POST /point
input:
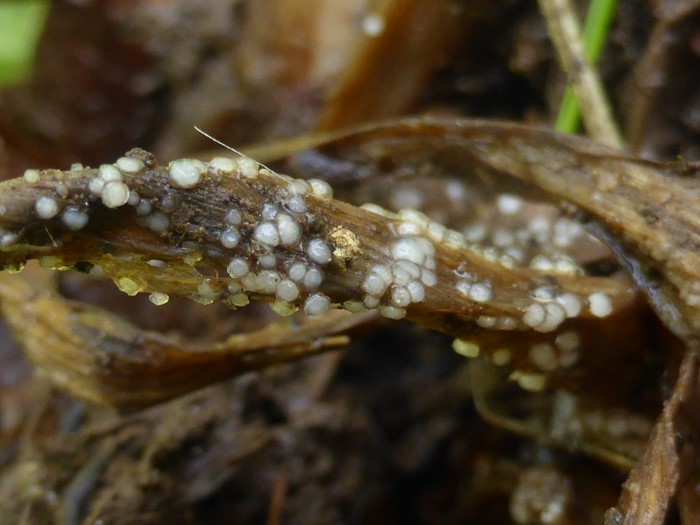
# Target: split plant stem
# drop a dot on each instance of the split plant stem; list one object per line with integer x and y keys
{"x": 565, "y": 32}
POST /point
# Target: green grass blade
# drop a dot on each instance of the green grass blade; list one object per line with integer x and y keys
{"x": 595, "y": 31}
{"x": 21, "y": 25}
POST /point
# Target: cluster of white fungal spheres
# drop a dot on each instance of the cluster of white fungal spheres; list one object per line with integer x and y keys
{"x": 287, "y": 241}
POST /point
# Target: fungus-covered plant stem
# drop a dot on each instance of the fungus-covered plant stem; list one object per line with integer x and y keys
{"x": 565, "y": 32}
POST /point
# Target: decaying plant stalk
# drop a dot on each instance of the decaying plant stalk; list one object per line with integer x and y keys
{"x": 234, "y": 231}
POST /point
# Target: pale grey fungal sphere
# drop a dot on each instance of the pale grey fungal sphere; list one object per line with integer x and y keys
{"x": 230, "y": 238}
{"x": 319, "y": 251}
{"x": 409, "y": 249}
{"x": 267, "y": 234}
{"x": 287, "y": 291}
{"x": 74, "y": 219}
{"x": 289, "y": 229}
{"x": 297, "y": 204}
{"x": 238, "y": 267}
{"x": 317, "y": 304}
{"x": 115, "y": 194}
{"x": 158, "y": 222}
{"x": 267, "y": 261}
{"x": 297, "y": 271}
{"x": 46, "y": 207}
{"x": 234, "y": 217}
{"x": 96, "y": 185}
{"x": 185, "y": 173}
{"x": 313, "y": 278}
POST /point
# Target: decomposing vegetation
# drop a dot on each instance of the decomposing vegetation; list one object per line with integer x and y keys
{"x": 566, "y": 271}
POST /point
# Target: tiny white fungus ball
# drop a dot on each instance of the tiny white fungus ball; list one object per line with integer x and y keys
{"x": 74, "y": 219}
{"x": 486, "y": 321}
{"x": 157, "y": 263}
{"x": 543, "y": 357}
{"x": 409, "y": 228}
{"x": 401, "y": 276}
{"x": 508, "y": 204}
{"x": 534, "y": 315}
{"x": 480, "y": 292}
{"x": 600, "y": 304}
{"x": 109, "y": 173}
{"x": 230, "y": 238}
{"x": 167, "y": 203}
{"x": 269, "y": 211}
{"x": 370, "y": 301}
{"x": 412, "y": 269}
{"x": 571, "y": 304}
{"x": 223, "y": 165}
{"x": 555, "y": 315}
{"x": 130, "y": 164}
{"x": 297, "y": 204}
{"x": 267, "y": 261}
{"x": 268, "y": 281}
{"x": 158, "y": 298}
{"x": 31, "y": 176}
{"x": 568, "y": 341}
{"x": 383, "y": 272}
{"x": 297, "y": 271}
{"x": 287, "y": 291}
{"x": 7, "y": 238}
{"x": 289, "y": 229}
{"x": 158, "y": 222}
{"x": 185, "y": 173}
{"x": 238, "y": 267}
{"x": 415, "y": 216}
{"x": 428, "y": 277}
{"x": 373, "y": 284}
{"x": 267, "y": 233}
{"x": 400, "y": 296}
{"x": 408, "y": 249}
{"x": 46, "y": 207}
{"x": 416, "y": 290}
{"x": 143, "y": 208}
{"x": 317, "y": 304}
{"x": 319, "y": 251}
{"x": 96, "y": 185}
{"x": 234, "y": 217}
{"x": 321, "y": 188}
{"x": 313, "y": 278}
{"x": 373, "y": 25}
{"x": 115, "y": 194}
{"x": 248, "y": 168}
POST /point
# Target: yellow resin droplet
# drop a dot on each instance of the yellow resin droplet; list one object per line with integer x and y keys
{"x": 465, "y": 348}
{"x": 128, "y": 285}
{"x": 283, "y": 309}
